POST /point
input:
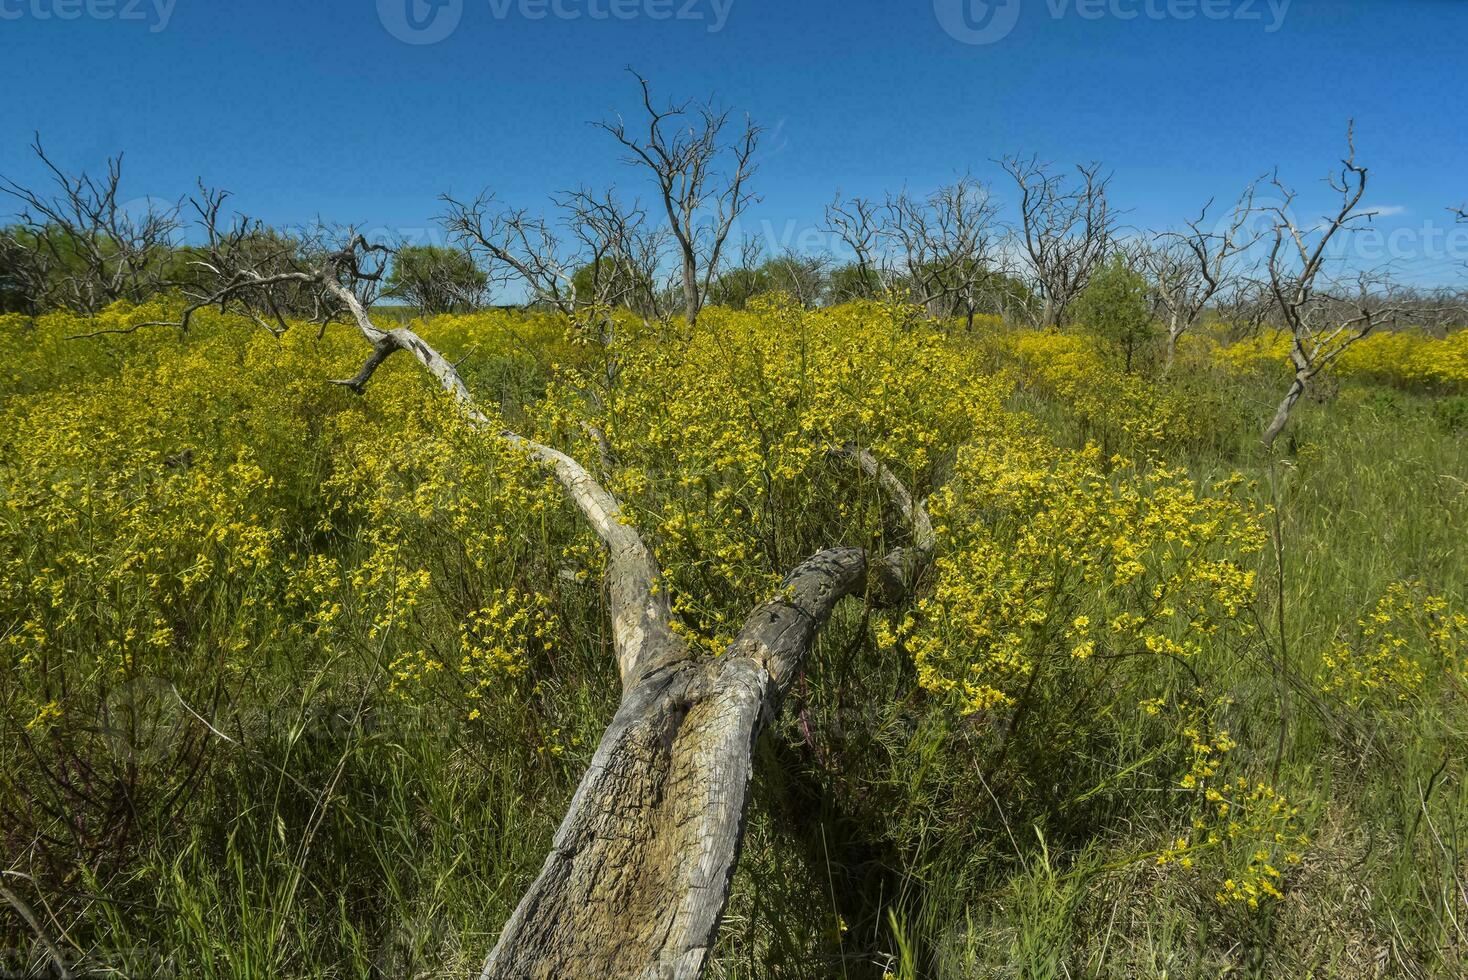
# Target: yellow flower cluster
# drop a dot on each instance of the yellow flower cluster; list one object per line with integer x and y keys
{"x": 1407, "y": 358}
{"x": 1409, "y": 645}
{"x": 723, "y": 441}
{"x": 176, "y": 505}
{"x": 1059, "y": 561}
{"x": 496, "y": 641}
{"x": 1123, "y": 412}
{"x": 1243, "y": 832}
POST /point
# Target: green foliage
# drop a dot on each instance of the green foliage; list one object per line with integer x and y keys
{"x": 852, "y": 282}
{"x": 435, "y": 280}
{"x": 734, "y": 288}
{"x": 15, "y": 273}
{"x": 1114, "y": 306}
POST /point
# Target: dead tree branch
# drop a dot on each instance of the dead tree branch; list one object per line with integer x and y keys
{"x": 1066, "y": 230}
{"x": 639, "y": 871}
{"x": 702, "y": 179}
{"x": 1325, "y": 312}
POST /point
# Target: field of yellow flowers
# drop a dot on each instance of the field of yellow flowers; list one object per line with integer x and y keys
{"x": 298, "y": 682}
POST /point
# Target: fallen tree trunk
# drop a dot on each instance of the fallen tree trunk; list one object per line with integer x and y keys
{"x": 639, "y": 871}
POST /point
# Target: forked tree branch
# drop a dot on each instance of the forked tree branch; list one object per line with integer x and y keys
{"x": 638, "y": 874}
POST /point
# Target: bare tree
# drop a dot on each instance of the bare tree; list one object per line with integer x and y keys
{"x": 81, "y": 246}
{"x": 1324, "y": 313}
{"x": 1066, "y": 230}
{"x": 1188, "y": 268}
{"x": 512, "y": 245}
{"x": 947, "y": 241}
{"x": 702, "y": 178}
{"x": 596, "y": 253}
{"x": 624, "y": 249}
{"x": 858, "y": 223}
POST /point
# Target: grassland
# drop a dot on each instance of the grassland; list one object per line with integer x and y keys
{"x": 298, "y": 683}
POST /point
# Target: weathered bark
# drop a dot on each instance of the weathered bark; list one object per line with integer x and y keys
{"x": 1175, "y": 328}
{"x": 1286, "y": 406}
{"x": 639, "y": 871}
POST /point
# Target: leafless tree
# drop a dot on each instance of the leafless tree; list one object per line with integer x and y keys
{"x": 626, "y": 252}
{"x": 1066, "y": 229}
{"x": 702, "y": 177}
{"x": 593, "y": 254}
{"x": 512, "y": 245}
{"x": 1325, "y": 313}
{"x": 948, "y": 243}
{"x": 1188, "y": 268}
{"x": 79, "y": 245}
{"x": 858, "y": 223}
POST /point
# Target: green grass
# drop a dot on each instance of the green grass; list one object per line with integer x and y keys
{"x": 328, "y": 828}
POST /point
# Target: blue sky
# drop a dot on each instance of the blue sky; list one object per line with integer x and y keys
{"x": 321, "y": 109}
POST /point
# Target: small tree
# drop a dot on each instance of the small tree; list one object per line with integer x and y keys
{"x": 1189, "y": 268}
{"x": 1066, "y": 230}
{"x": 947, "y": 243}
{"x": 80, "y": 246}
{"x": 804, "y": 278}
{"x": 594, "y": 254}
{"x": 1325, "y": 313}
{"x": 1116, "y": 307}
{"x": 858, "y": 223}
{"x": 737, "y": 285}
{"x": 853, "y": 281}
{"x": 1244, "y": 308}
{"x": 434, "y": 279}
{"x": 18, "y": 273}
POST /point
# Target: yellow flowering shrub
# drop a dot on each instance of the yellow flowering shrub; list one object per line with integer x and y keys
{"x": 1410, "y": 644}
{"x": 1407, "y": 358}
{"x": 1058, "y": 559}
{"x": 1244, "y": 833}
{"x": 724, "y": 441}
{"x": 1122, "y": 412}
{"x": 173, "y": 506}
